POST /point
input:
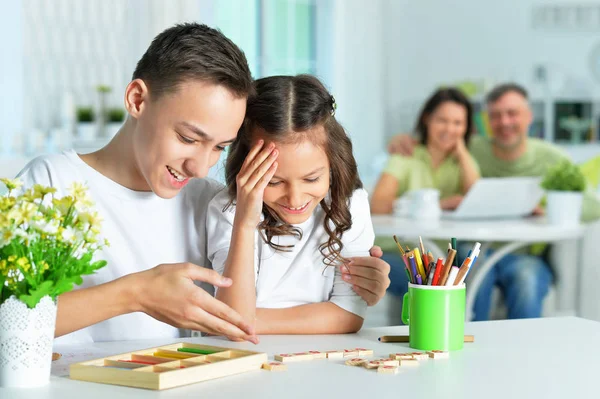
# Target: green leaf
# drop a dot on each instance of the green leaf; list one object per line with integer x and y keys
{"x": 36, "y": 294}
{"x": 564, "y": 176}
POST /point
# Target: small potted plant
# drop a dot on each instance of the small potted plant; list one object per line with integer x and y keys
{"x": 114, "y": 118}
{"x": 86, "y": 128}
{"x": 565, "y": 184}
{"x": 46, "y": 245}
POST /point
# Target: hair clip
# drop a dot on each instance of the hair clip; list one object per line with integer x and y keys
{"x": 333, "y": 106}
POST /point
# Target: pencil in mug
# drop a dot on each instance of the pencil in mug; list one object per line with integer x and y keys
{"x": 431, "y": 274}
{"x": 398, "y": 244}
{"x": 413, "y": 267}
{"x": 447, "y": 266}
{"x": 452, "y": 276}
{"x": 419, "y": 260}
{"x": 438, "y": 271}
{"x": 468, "y": 264}
{"x": 422, "y": 246}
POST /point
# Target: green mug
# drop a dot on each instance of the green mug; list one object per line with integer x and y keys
{"x": 435, "y": 316}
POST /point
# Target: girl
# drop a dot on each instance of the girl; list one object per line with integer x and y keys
{"x": 293, "y": 212}
{"x": 441, "y": 161}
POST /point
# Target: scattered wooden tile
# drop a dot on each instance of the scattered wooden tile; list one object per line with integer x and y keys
{"x": 318, "y": 354}
{"x": 334, "y": 354}
{"x": 373, "y": 364}
{"x": 438, "y": 354}
{"x": 420, "y": 355}
{"x": 275, "y": 366}
{"x": 400, "y": 356}
{"x": 350, "y": 353}
{"x": 387, "y": 369}
{"x": 293, "y": 357}
{"x": 364, "y": 352}
{"x": 357, "y": 361}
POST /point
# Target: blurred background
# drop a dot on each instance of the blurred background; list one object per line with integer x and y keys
{"x": 65, "y": 63}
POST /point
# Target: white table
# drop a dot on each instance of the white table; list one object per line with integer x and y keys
{"x": 511, "y": 233}
{"x": 548, "y": 357}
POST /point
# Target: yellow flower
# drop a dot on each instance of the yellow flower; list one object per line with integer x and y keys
{"x": 41, "y": 191}
{"x": 3, "y": 267}
{"x": 6, "y": 236}
{"x": 80, "y": 195}
{"x": 23, "y": 263}
{"x": 44, "y": 265}
{"x": 64, "y": 204}
{"x": 12, "y": 259}
{"x": 23, "y": 213}
{"x": 4, "y": 221}
{"x": 93, "y": 219}
{"x": 6, "y": 203}
{"x": 11, "y": 184}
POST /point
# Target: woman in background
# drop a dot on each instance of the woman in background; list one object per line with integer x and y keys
{"x": 440, "y": 161}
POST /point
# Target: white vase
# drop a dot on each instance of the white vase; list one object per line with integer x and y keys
{"x": 26, "y": 337}
{"x": 564, "y": 207}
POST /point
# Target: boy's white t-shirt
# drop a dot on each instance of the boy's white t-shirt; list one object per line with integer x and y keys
{"x": 298, "y": 277}
{"x": 143, "y": 230}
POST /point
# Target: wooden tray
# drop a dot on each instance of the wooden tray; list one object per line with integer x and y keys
{"x": 168, "y": 366}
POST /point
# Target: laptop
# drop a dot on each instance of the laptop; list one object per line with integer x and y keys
{"x": 505, "y": 197}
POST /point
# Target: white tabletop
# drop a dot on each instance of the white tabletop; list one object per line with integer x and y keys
{"x": 533, "y": 229}
{"x": 550, "y": 358}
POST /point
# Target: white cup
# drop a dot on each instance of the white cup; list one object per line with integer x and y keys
{"x": 425, "y": 204}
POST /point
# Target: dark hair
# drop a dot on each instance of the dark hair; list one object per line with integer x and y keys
{"x": 504, "y": 88}
{"x": 285, "y": 108}
{"x": 193, "y": 51}
{"x": 439, "y": 97}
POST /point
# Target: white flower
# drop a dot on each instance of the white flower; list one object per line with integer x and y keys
{"x": 48, "y": 227}
{"x": 6, "y": 236}
{"x": 71, "y": 235}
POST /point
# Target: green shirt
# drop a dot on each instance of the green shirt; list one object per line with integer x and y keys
{"x": 417, "y": 172}
{"x": 538, "y": 158}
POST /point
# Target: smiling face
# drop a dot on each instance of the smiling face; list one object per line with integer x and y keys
{"x": 510, "y": 117}
{"x": 181, "y": 135}
{"x": 302, "y": 177}
{"x": 446, "y": 125}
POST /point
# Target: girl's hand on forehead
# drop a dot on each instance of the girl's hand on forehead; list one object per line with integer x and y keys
{"x": 254, "y": 176}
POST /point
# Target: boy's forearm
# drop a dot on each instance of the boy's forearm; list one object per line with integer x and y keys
{"x": 87, "y": 306}
{"x": 239, "y": 266}
{"x": 315, "y": 318}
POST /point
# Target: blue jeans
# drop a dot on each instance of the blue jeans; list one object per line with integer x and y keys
{"x": 398, "y": 279}
{"x": 524, "y": 281}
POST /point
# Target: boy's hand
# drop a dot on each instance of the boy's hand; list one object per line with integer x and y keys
{"x": 167, "y": 292}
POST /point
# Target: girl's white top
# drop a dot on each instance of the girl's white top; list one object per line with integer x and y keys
{"x": 284, "y": 279}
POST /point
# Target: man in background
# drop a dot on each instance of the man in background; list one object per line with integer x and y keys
{"x": 525, "y": 277}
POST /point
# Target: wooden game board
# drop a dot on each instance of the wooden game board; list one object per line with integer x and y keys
{"x": 168, "y": 366}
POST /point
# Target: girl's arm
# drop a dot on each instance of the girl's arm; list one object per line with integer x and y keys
{"x": 384, "y": 194}
{"x": 256, "y": 172}
{"x": 469, "y": 171}
{"x": 344, "y": 311}
{"x": 314, "y": 318}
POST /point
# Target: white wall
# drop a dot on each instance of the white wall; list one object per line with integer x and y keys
{"x": 353, "y": 72}
{"x": 11, "y": 73}
{"x": 428, "y": 42}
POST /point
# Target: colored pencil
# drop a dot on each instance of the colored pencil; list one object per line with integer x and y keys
{"x": 404, "y": 338}
{"x": 447, "y": 267}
